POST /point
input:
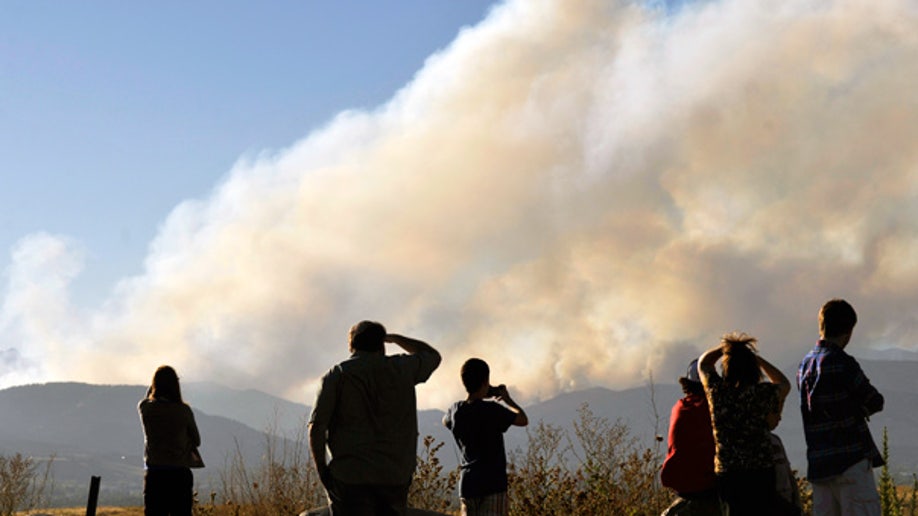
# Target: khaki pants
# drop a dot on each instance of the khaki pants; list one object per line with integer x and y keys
{"x": 853, "y": 493}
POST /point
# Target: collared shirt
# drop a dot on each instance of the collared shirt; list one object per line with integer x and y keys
{"x": 835, "y": 400}
{"x": 367, "y": 408}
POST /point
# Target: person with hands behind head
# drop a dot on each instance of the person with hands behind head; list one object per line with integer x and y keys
{"x": 478, "y": 424}
{"x": 744, "y": 410}
{"x": 366, "y": 415}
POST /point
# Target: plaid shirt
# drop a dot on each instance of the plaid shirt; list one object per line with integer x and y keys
{"x": 836, "y": 399}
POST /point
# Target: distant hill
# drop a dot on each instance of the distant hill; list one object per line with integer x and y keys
{"x": 95, "y": 429}
{"x": 253, "y": 408}
{"x": 896, "y": 380}
{"x": 886, "y": 355}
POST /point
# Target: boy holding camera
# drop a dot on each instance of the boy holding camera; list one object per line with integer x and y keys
{"x": 478, "y": 424}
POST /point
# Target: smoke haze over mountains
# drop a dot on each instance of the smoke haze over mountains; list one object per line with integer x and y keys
{"x": 582, "y": 193}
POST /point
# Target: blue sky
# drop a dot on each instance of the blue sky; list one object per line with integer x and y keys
{"x": 111, "y": 113}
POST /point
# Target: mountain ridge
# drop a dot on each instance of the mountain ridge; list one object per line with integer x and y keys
{"x": 95, "y": 429}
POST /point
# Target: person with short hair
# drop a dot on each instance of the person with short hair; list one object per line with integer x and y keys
{"x": 170, "y": 441}
{"x": 744, "y": 410}
{"x": 366, "y": 414}
{"x": 836, "y": 400}
{"x": 478, "y": 424}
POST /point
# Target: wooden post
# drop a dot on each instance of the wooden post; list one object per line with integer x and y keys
{"x": 93, "y": 496}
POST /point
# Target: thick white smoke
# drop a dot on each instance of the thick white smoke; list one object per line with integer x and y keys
{"x": 580, "y": 192}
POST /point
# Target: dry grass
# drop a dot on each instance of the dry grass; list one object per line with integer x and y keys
{"x": 81, "y": 511}
{"x": 600, "y": 469}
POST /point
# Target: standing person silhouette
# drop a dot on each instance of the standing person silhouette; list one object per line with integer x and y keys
{"x": 170, "y": 441}
{"x": 478, "y": 425}
{"x": 836, "y": 399}
{"x": 689, "y": 466}
{"x": 744, "y": 410}
{"x": 366, "y": 413}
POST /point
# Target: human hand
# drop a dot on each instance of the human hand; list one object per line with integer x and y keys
{"x": 502, "y": 394}
{"x": 494, "y": 392}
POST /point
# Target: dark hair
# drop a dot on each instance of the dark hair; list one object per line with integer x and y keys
{"x": 836, "y": 318}
{"x": 740, "y": 364}
{"x": 474, "y": 373}
{"x": 691, "y": 387}
{"x": 165, "y": 385}
{"x": 367, "y": 336}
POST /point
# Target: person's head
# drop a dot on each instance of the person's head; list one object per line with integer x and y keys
{"x": 165, "y": 384}
{"x": 367, "y": 336}
{"x": 740, "y": 364}
{"x": 475, "y": 373}
{"x": 836, "y": 319}
{"x": 691, "y": 382}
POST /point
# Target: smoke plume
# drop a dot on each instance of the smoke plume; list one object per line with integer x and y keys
{"x": 581, "y": 193}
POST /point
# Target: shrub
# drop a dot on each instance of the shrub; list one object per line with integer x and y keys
{"x": 603, "y": 470}
{"x": 430, "y": 488}
{"x": 284, "y": 483}
{"x": 23, "y": 484}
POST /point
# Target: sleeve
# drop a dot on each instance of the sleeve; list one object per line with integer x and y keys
{"x": 325, "y": 402}
{"x": 416, "y": 366}
{"x": 193, "y": 433}
{"x": 502, "y": 417}
{"x": 669, "y": 472}
{"x": 448, "y": 418}
{"x": 428, "y": 361}
{"x": 863, "y": 394}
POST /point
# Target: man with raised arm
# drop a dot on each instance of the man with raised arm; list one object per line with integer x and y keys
{"x": 836, "y": 398}
{"x": 366, "y": 415}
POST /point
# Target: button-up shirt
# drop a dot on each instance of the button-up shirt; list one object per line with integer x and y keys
{"x": 835, "y": 399}
{"x": 367, "y": 408}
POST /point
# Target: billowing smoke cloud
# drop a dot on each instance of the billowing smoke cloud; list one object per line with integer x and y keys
{"x": 582, "y": 193}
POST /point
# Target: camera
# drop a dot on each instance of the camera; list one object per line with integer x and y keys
{"x": 493, "y": 392}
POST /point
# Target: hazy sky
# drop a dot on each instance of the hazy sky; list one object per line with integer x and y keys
{"x": 581, "y": 192}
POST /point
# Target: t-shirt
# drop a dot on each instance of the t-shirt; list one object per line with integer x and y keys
{"x": 479, "y": 427}
{"x": 741, "y": 434}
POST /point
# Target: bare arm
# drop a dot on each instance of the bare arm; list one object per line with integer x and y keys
{"x": 707, "y": 361}
{"x": 428, "y": 357}
{"x": 410, "y": 345}
{"x": 776, "y": 377}
{"x": 521, "y": 418}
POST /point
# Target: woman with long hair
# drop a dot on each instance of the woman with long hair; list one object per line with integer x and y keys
{"x": 170, "y": 442}
{"x": 744, "y": 410}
